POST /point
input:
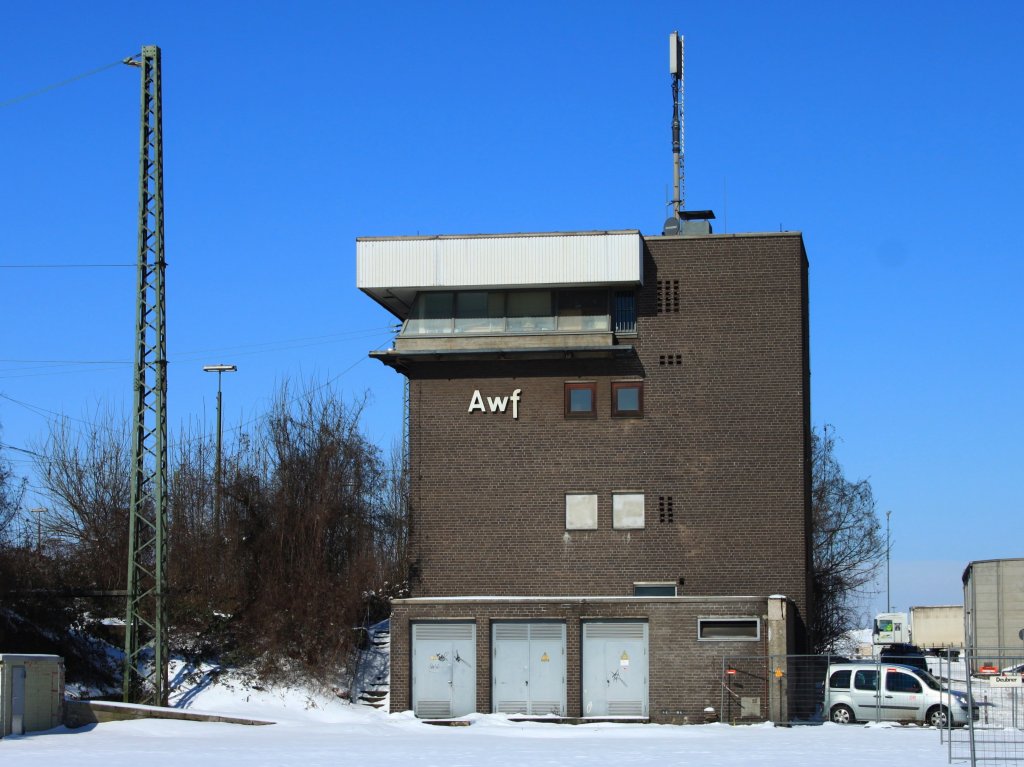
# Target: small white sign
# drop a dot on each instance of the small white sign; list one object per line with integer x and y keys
{"x": 1006, "y": 680}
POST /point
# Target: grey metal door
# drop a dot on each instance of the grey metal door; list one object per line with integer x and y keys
{"x": 528, "y": 667}
{"x": 17, "y": 700}
{"x": 443, "y": 669}
{"x": 615, "y": 669}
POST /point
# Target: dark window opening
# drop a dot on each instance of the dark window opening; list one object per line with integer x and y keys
{"x": 432, "y": 313}
{"x": 899, "y": 682}
{"x": 529, "y": 311}
{"x": 479, "y": 312}
{"x": 580, "y": 400}
{"x": 866, "y": 680}
{"x": 582, "y": 310}
{"x": 728, "y": 628}
{"x": 654, "y": 589}
{"x": 625, "y": 312}
{"x": 840, "y": 680}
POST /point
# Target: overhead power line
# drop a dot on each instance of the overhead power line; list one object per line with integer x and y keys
{"x": 258, "y": 347}
{"x": 34, "y": 454}
{"x": 61, "y": 84}
{"x": 65, "y": 266}
{"x": 52, "y": 416}
{"x": 65, "y": 362}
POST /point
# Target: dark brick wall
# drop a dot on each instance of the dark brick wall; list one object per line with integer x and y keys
{"x": 724, "y": 434}
{"x": 684, "y": 674}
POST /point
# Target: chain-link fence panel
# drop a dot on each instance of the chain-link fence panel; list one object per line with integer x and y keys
{"x": 993, "y": 681}
{"x": 813, "y": 689}
{"x": 786, "y": 689}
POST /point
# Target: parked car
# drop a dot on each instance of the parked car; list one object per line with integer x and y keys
{"x": 906, "y": 654}
{"x": 891, "y": 692}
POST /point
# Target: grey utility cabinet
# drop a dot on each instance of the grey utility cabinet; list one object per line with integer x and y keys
{"x": 31, "y": 693}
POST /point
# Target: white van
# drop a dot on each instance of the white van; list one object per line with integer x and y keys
{"x": 853, "y": 693}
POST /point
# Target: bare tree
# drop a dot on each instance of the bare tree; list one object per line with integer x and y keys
{"x": 307, "y": 528}
{"x": 197, "y": 566}
{"x": 12, "y": 490}
{"x": 847, "y": 546}
{"x": 309, "y": 544}
{"x": 87, "y": 477}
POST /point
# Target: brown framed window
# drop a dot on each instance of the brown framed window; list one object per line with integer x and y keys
{"x": 628, "y": 399}
{"x": 581, "y": 400}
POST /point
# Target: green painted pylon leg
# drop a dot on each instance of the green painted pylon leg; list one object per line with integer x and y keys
{"x": 146, "y": 646}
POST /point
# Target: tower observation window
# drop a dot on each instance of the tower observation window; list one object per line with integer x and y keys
{"x": 569, "y": 310}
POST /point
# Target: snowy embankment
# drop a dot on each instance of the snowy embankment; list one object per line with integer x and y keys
{"x": 321, "y": 729}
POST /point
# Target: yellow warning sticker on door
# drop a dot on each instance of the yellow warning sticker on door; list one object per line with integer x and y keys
{"x": 545, "y": 658}
{"x": 624, "y": 659}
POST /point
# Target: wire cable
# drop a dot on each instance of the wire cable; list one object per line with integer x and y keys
{"x": 61, "y": 84}
{"x": 64, "y": 266}
{"x": 51, "y": 416}
{"x": 257, "y": 348}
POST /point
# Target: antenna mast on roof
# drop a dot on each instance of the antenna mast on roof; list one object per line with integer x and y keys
{"x": 675, "y": 67}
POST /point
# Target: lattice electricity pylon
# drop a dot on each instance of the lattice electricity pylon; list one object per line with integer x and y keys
{"x": 145, "y": 640}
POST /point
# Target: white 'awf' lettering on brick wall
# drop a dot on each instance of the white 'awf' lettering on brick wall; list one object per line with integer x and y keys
{"x": 496, "y": 404}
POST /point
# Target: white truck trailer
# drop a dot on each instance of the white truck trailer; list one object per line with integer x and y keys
{"x": 937, "y": 629}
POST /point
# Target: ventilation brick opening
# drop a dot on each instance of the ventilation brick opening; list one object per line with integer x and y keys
{"x": 668, "y": 296}
{"x": 666, "y": 510}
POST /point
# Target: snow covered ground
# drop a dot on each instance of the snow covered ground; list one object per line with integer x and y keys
{"x": 321, "y": 729}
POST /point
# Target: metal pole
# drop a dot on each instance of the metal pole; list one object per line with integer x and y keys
{"x": 39, "y": 511}
{"x": 217, "y": 471}
{"x": 888, "y": 595}
{"x": 217, "y": 480}
{"x": 676, "y": 69}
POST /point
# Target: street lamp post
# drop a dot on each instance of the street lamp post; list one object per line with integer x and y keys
{"x": 39, "y": 511}
{"x": 219, "y": 370}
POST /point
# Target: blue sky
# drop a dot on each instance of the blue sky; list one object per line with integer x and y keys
{"x": 887, "y": 133}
